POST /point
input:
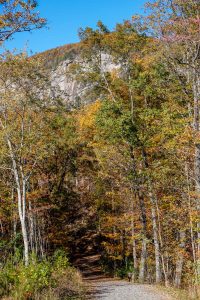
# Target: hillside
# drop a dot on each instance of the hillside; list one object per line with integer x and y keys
{"x": 55, "y": 56}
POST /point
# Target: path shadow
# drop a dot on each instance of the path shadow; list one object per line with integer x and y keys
{"x": 92, "y": 273}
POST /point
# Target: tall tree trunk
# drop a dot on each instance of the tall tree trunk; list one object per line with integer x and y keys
{"x": 155, "y": 235}
{"x": 31, "y": 227}
{"x": 123, "y": 245}
{"x": 138, "y": 191}
{"x": 144, "y": 239}
{"x": 143, "y": 261}
{"x": 25, "y": 240}
{"x": 191, "y": 222}
{"x": 164, "y": 268}
{"x": 114, "y": 232}
{"x": 196, "y": 93}
{"x": 21, "y": 200}
{"x": 134, "y": 251}
{"x": 180, "y": 259}
{"x": 22, "y": 217}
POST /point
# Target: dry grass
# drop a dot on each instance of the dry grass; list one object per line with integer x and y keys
{"x": 192, "y": 293}
{"x": 69, "y": 285}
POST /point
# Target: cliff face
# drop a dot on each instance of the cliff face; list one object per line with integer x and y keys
{"x": 60, "y": 61}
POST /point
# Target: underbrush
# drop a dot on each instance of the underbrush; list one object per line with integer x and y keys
{"x": 116, "y": 268}
{"x": 50, "y": 279}
{"x": 190, "y": 293}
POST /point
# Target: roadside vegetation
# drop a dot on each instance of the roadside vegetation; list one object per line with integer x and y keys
{"x": 52, "y": 278}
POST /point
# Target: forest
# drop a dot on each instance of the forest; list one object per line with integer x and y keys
{"x": 118, "y": 175}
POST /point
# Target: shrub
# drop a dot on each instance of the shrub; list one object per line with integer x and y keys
{"x": 31, "y": 279}
{"x": 68, "y": 284}
{"x": 123, "y": 271}
{"x": 48, "y": 279}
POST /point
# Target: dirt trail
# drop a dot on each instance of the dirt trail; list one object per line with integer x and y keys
{"x": 102, "y": 287}
{"x": 90, "y": 267}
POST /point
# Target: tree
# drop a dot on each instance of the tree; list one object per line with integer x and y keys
{"x": 176, "y": 25}
{"x": 18, "y": 16}
{"x": 22, "y": 127}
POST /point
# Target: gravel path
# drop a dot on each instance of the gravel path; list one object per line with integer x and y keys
{"x": 101, "y": 287}
{"x": 121, "y": 290}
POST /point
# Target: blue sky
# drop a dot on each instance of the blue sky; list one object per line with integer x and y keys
{"x": 65, "y": 17}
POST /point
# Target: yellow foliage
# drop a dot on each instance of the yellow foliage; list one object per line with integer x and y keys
{"x": 87, "y": 118}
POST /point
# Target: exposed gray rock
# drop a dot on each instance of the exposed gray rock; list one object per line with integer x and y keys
{"x": 76, "y": 93}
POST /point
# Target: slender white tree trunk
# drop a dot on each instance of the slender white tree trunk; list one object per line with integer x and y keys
{"x": 134, "y": 251}
{"x": 196, "y": 93}
{"x": 156, "y": 245}
{"x": 143, "y": 261}
{"x": 25, "y": 240}
{"x": 180, "y": 259}
{"x": 155, "y": 236}
{"x": 162, "y": 256}
{"x": 191, "y": 223}
{"x": 21, "y": 199}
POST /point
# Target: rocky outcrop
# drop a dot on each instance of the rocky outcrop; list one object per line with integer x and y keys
{"x": 65, "y": 83}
